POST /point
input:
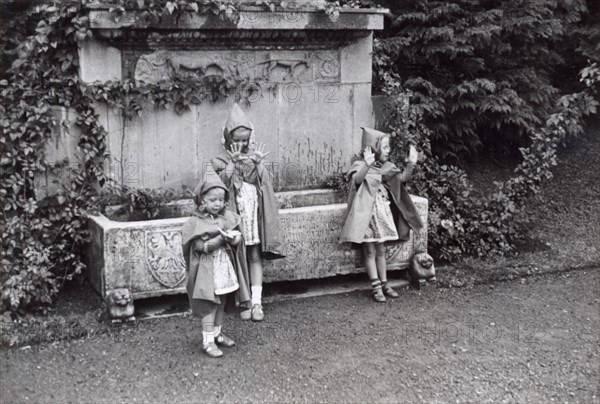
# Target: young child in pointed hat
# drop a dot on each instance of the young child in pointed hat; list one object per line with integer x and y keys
{"x": 250, "y": 184}
{"x": 379, "y": 207}
{"x": 215, "y": 262}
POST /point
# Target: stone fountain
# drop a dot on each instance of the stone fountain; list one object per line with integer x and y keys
{"x": 311, "y": 92}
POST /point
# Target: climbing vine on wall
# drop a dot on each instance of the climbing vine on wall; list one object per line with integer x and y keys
{"x": 43, "y": 238}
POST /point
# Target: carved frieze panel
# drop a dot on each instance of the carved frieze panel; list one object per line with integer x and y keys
{"x": 275, "y": 66}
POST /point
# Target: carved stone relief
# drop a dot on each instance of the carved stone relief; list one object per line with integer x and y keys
{"x": 164, "y": 257}
{"x": 256, "y": 66}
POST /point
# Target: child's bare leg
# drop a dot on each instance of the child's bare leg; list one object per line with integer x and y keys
{"x": 382, "y": 270}
{"x": 381, "y": 263}
{"x": 256, "y": 280}
{"x": 221, "y": 338}
{"x": 370, "y": 265}
{"x": 256, "y": 267}
{"x": 220, "y": 313}
{"x": 369, "y": 252}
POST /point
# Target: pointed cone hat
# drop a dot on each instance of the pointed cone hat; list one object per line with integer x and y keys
{"x": 237, "y": 118}
{"x": 371, "y": 138}
{"x": 204, "y": 187}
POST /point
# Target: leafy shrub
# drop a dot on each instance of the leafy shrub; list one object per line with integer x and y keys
{"x": 460, "y": 222}
{"x": 486, "y": 73}
{"x": 139, "y": 203}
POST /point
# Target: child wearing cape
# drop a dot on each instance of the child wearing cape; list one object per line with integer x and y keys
{"x": 249, "y": 182}
{"x": 379, "y": 207}
{"x": 215, "y": 261}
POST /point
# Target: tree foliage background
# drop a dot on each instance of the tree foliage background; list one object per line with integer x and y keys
{"x": 487, "y": 72}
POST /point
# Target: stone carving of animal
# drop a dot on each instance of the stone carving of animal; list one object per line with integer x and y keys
{"x": 163, "y": 65}
{"x": 120, "y": 305}
{"x": 422, "y": 268}
{"x": 288, "y": 64}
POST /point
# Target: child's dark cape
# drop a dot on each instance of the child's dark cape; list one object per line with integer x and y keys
{"x": 362, "y": 198}
{"x": 268, "y": 213}
{"x": 200, "y": 281}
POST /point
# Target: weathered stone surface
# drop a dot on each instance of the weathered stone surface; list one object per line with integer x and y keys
{"x": 311, "y": 132}
{"x": 311, "y": 245}
{"x": 315, "y": 123}
{"x": 278, "y": 66}
{"x": 310, "y": 82}
{"x": 145, "y": 257}
{"x": 98, "y": 62}
{"x": 302, "y": 17}
{"x": 313, "y": 197}
{"x": 358, "y": 50}
{"x": 312, "y": 249}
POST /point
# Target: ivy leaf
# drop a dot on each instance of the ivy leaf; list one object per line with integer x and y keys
{"x": 170, "y": 7}
{"x": 194, "y": 6}
{"x": 141, "y": 3}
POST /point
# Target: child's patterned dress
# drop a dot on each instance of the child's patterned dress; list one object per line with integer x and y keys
{"x": 381, "y": 227}
{"x": 247, "y": 204}
{"x": 224, "y": 275}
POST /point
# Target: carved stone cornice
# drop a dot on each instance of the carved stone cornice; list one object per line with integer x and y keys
{"x": 300, "y": 44}
{"x": 303, "y": 18}
{"x": 129, "y": 39}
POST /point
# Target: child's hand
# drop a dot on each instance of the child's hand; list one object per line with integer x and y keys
{"x": 259, "y": 153}
{"x": 369, "y": 156}
{"x": 413, "y": 155}
{"x": 236, "y": 153}
{"x": 229, "y": 235}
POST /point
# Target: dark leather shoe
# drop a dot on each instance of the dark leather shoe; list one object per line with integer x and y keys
{"x": 378, "y": 296}
{"x": 389, "y": 291}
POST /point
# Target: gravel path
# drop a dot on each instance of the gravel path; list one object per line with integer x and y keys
{"x": 534, "y": 341}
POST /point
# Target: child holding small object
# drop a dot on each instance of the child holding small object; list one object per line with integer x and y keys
{"x": 379, "y": 207}
{"x": 215, "y": 262}
{"x": 250, "y": 185}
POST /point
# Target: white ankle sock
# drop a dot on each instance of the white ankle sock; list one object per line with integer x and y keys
{"x": 217, "y": 331}
{"x": 256, "y": 295}
{"x": 208, "y": 337}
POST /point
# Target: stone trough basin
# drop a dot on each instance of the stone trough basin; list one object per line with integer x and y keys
{"x": 145, "y": 256}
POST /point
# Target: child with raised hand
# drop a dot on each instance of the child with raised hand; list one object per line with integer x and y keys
{"x": 249, "y": 182}
{"x": 215, "y": 262}
{"x": 379, "y": 207}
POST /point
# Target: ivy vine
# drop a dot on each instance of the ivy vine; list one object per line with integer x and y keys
{"x": 44, "y": 239}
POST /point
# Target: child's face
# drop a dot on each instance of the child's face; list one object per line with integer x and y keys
{"x": 241, "y": 137}
{"x": 214, "y": 200}
{"x": 384, "y": 149}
